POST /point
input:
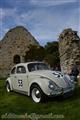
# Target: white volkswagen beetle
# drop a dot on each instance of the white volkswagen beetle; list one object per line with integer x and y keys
{"x": 35, "y": 79}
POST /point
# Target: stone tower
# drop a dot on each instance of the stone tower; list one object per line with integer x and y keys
{"x": 13, "y": 48}
{"x": 69, "y": 49}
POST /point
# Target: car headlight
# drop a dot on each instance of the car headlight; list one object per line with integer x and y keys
{"x": 52, "y": 85}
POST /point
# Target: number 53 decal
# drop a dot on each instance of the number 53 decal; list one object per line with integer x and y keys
{"x": 20, "y": 83}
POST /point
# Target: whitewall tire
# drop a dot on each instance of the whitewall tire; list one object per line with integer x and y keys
{"x": 37, "y": 94}
{"x": 8, "y": 87}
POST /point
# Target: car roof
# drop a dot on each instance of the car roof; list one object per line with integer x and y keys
{"x": 19, "y": 64}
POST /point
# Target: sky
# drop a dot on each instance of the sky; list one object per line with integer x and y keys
{"x": 45, "y": 19}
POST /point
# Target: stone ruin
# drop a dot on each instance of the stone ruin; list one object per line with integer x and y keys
{"x": 69, "y": 49}
{"x": 16, "y": 42}
{"x": 13, "y": 48}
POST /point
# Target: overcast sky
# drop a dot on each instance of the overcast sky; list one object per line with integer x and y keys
{"x": 45, "y": 19}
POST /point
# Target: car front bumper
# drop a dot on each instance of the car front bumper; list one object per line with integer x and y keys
{"x": 63, "y": 92}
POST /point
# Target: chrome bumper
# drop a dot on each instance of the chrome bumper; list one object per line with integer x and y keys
{"x": 63, "y": 91}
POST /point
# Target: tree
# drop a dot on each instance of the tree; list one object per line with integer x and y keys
{"x": 35, "y": 53}
{"x": 49, "y": 53}
{"x": 52, "y": 54}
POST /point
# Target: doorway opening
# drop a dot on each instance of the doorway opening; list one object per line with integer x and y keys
{"x": 16, "y": 59}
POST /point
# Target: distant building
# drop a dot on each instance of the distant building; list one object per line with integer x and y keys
{"x": 13, "y": 48}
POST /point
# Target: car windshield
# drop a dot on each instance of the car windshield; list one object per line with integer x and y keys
{"x": 37, "y": 66}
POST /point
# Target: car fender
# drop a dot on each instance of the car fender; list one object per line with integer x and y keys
{"x": 9, "y": 81}
{"x": 42, "y": 83}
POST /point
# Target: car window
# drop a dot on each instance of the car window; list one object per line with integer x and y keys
{"x": 21, "y": 69}
{"x": 37, "y": 66}
{"x": 31, "y": 67}
{"x": 13, "y": 70}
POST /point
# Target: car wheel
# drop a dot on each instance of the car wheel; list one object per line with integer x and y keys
{"x": 8, "y": 87}
{"x": 37, "y": 94}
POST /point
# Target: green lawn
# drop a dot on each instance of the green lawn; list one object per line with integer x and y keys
{"x": 18, "y": 104}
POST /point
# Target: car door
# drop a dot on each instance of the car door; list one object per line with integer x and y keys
{"x": 22, "y": 79}
{"x": 13, "y": 78}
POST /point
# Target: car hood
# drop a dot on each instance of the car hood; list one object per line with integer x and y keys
{"x": 61, "y": 80}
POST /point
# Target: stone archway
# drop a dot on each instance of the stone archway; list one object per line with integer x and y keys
{"x": 16, "y": 59}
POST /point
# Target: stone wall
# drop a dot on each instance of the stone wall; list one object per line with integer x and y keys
{"x": 69, "y": 49}
{"x": 13, "y": 48}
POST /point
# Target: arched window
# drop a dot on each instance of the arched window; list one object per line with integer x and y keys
{"x": 16, "y": 59}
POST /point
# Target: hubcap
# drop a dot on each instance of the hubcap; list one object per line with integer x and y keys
{"x": 36, "y": 96}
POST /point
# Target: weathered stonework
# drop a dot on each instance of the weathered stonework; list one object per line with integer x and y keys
{"x": 69, "y": 49}
{"x": 13, "y": 48}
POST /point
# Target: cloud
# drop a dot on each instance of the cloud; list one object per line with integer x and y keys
{"x": 79, "y": 20}
{"x": 46, "y": 3}
{"x": 39, "y": 3}
{"x": 2, "y": 15}
{"x": 5, "y": 16}
{"x": 45, "y": 24}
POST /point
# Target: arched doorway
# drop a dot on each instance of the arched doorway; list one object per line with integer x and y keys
{"x": 16, "y": 59}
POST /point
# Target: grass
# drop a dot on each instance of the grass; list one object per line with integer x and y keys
{"x": 19, "y": 104}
